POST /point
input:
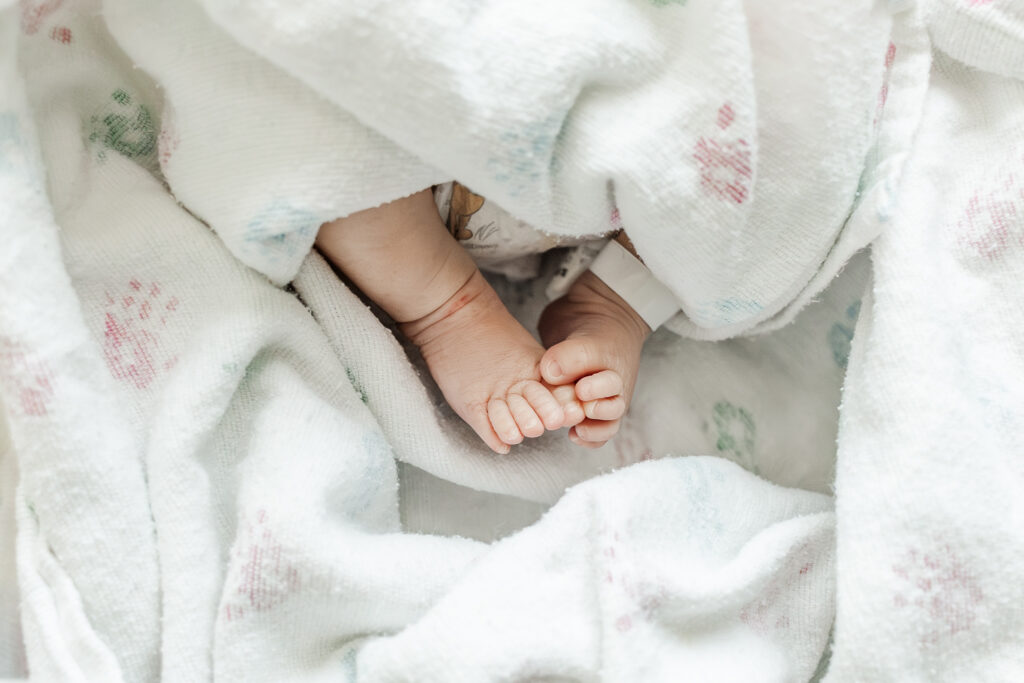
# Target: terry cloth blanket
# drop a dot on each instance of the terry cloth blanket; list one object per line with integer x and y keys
{"x": 207, "y": 475}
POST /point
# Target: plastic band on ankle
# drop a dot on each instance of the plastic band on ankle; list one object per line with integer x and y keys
{"x": 638, "y": 287}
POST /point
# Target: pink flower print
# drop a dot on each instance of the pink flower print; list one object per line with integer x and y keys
{"x": 133, "y": 325}
{"x": 725, "y": 171}
{"x": 726, "y": 116}
{"x": 27, "y": 378}
{"x": 940, "y": 588}
{"x": 34, "y": 13}
{"x": 168, "y": 140}
{"x": 265, "y": 577}
{"x": 770, "y": 611}
{"x": 634, "y": 600}
{"x": 61, "y": 34}
{"x": 993, "y": 221}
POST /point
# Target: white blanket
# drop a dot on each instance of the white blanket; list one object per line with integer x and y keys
{"x": 218, "y": 478}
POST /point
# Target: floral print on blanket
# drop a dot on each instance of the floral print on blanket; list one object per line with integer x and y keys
{"x": 127, "y": 128}
{"x": 770, "y": 611}
{"x": 633, "y": 597}
{"x": 133, "y": 343}
{"x": 265, "y": 576}
{"x": 168, "y": 140}
{"x": 941, "y": 588}
{"x": 61, "y": 34}
{"x": 992, "y": 221}
{"x": 736, "y": 431}
{"x": 525, "y": 154}
{"x": 724, "y": 160}
{"x": 279, "y": 230}
{"x": 35, "y": 13}
{"x": 26, "y": 380}
{"x": 840, "y": 335}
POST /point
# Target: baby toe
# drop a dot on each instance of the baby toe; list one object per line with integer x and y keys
{"x": 604, "y": 384}
{"x": 547, "y": 407}
{"x": 569, "y": 360}
{"x": 525, "y": 416}
{"x": 605, "y": 408}
{"x": 596, "y": 430}
{"x": 502, "y": 421}
{"x": 478, "y": 419}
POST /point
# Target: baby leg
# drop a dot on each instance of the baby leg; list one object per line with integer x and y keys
{"x": 485, "y": 363}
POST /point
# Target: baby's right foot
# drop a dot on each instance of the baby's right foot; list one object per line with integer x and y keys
{"x": 594, "y": 339}
{"x": 487, "y": 366}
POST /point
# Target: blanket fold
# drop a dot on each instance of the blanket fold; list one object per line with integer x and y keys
{"x": 675, "y": 119}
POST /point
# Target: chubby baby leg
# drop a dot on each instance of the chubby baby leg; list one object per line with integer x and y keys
{"x": 594, "y": 340}
{"x": 485, "y": 363}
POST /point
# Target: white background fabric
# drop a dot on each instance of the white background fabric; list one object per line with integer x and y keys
{"x": 220, "y": 478}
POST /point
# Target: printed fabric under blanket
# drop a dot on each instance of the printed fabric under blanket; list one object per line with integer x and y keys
{"x": 218, "y": 463}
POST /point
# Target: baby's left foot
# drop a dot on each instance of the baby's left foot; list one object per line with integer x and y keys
{"x": 594, "y": 339}
{"x": 486, "y": 365}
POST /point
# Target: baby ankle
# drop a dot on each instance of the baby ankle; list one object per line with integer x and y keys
{"x": 422, "y": 330}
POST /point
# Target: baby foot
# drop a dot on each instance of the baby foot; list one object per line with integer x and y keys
{"x": 594, "y": 339}
{"x": 487, "y": 366}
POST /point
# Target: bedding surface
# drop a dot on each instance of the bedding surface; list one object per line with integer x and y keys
{"x": 218, "y": 463}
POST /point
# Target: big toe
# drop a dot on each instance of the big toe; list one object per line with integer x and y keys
{"x": 571, "y": 359}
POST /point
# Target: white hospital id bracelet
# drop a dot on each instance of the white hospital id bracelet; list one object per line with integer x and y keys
{"x": 638, "y": 287}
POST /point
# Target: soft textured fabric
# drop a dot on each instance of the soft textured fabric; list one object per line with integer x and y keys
{"x": 701, "y": 124}
{"x": 932, "y": 428}
{"x": 217, "y": 478}
{"x": 205, "y": 466}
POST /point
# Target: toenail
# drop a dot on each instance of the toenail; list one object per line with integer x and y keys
{"x": 554, "y": 369}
